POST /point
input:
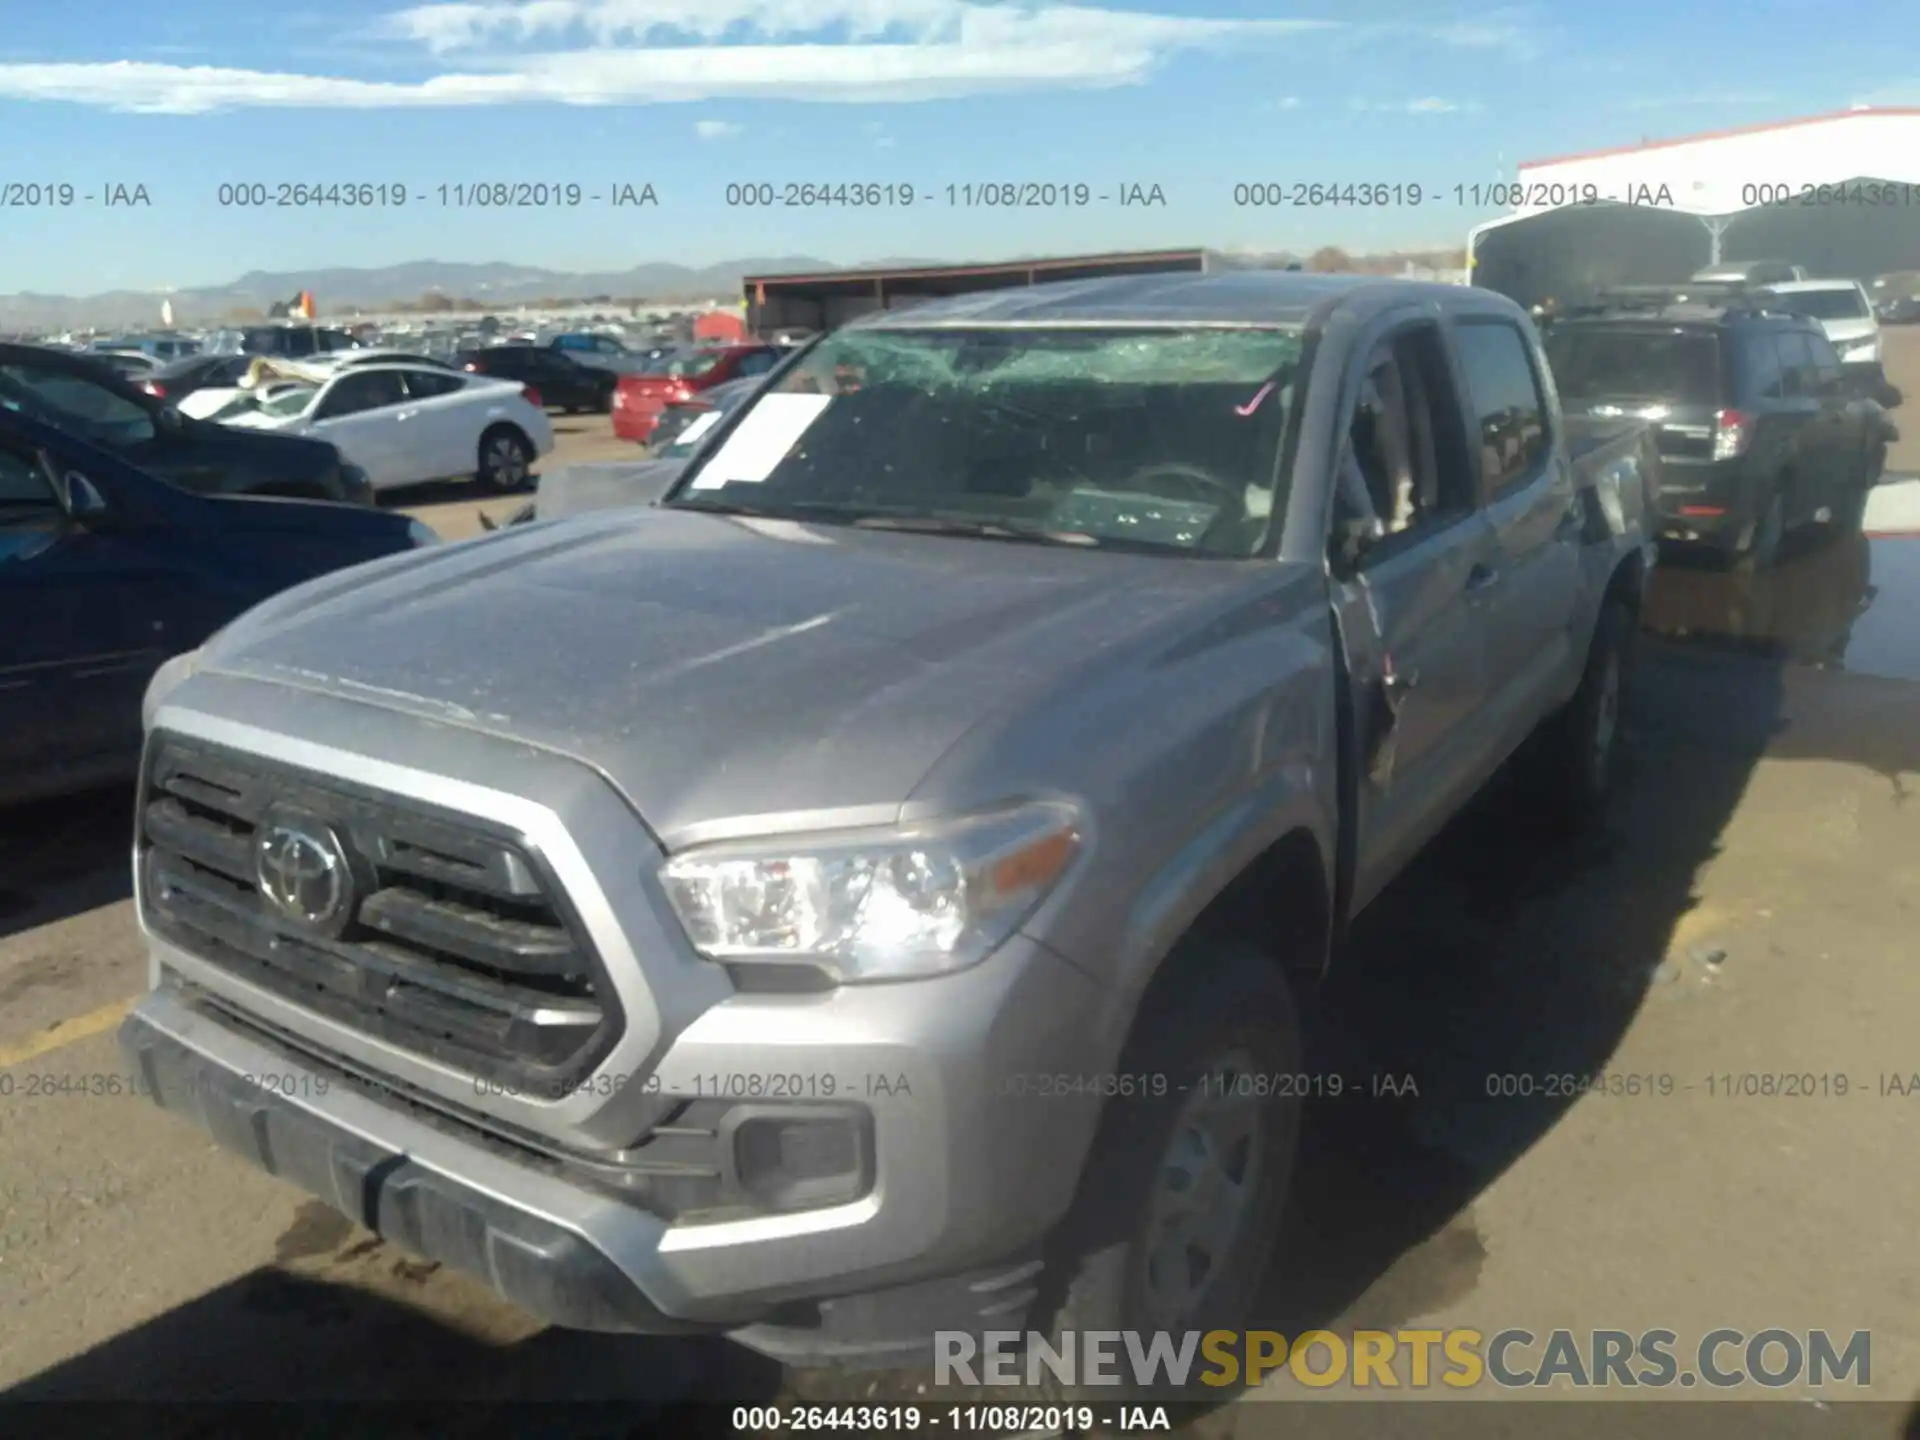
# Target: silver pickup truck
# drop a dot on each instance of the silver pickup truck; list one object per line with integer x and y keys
{"x": 872, "y": 892}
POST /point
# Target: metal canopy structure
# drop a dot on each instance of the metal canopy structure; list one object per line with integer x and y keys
{"x": 828, "y": 301}
{"x": 1838, "y": 194}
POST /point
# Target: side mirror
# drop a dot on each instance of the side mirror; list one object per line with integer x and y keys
{"x": 1353, "y": 537}
{"x": 169, "y": 421}
{"x": 86, "y": 506}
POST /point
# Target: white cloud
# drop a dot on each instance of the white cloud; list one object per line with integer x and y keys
{"x": 1724, "y": 97}
{"x": 610, "y": 52}
{"x": 1425, "y": 105}
{"x": 716, "y": 129}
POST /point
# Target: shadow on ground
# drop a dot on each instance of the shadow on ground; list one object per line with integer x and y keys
{"x": 1504, "y": 951}
{"x": 63, "y": 857}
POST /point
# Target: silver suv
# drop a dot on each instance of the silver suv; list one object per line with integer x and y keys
{"x": 870, "y": 892}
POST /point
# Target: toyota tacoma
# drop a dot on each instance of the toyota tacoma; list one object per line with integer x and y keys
{"x": 860, "y": 895}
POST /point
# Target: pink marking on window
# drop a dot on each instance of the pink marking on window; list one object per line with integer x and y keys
{"x": 1254, "y": 404}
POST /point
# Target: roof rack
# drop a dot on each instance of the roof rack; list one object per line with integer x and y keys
{"x": 1721, "y": 296}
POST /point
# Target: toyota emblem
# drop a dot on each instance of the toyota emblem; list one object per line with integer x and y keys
{"x": 302, "y": 869}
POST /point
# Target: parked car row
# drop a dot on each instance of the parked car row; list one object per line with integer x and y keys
{"x": 678, "y": 375}
{"x": 684, "y": 426}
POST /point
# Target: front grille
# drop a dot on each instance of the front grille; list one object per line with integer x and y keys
{"x": 452, "y": 940}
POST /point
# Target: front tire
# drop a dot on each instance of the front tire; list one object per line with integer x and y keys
{"x": 506, "y": 459}
{"x": 1182, "y": 1195}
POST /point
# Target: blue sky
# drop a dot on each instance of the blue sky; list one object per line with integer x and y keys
{"x": 689, "y": 95}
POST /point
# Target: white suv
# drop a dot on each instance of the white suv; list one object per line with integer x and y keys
{"x": 1844, "y": 312}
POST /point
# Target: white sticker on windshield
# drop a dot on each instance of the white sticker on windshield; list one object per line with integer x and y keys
{"x": 761, "y": 440}
{"x": 698, "y": 428}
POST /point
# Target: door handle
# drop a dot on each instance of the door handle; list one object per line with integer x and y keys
{"x": 1482, "y": 578}
{"x": 406, "y": 414}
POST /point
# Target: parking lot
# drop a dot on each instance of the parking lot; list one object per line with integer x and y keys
{"x": 1747, "y": 912}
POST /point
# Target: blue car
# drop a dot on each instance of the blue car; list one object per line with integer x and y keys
{"x": 106, "y": 571}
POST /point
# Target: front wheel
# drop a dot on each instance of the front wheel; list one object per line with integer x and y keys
{"x": 506, "y": 459}
{"x": 1181, "y": 1199}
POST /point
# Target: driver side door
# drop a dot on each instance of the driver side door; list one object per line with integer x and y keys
{"x": 359, "y": 415}
{"x": 1410, "y": 607}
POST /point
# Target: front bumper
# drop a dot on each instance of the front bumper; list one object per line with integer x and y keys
{"x": 948, "y": 1237}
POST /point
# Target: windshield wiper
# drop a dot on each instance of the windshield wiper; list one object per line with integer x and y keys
{"x": 791, "y": 510}
{"x": 981, "y": 529}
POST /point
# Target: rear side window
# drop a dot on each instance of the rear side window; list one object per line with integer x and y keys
{"x": 354, "y": 394}
{"x": 1675, "y": 366}
{"x": 1796, "y": 366}
{"x": 75, "y": 403}
{"x": 1826, "y": 362}
{"x": 425, "y": 384}
{"x": 1511, "y": 411}
{"x": 23, "y": 489}
{"x": 1760, "y": 358}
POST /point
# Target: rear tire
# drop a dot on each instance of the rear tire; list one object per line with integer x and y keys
{"x": 506, "y": 459}
{"x": 1764, "y": 549}
{"x": 1851, "y": 511}
{"x": 1182, "y": 1195}
{"x": 1579, "y": 747}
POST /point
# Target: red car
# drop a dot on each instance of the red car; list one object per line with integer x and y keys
{"x": 679, "y": 375}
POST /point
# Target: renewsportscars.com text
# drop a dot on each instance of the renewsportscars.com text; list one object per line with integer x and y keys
{"x": 1459, "y": 1359}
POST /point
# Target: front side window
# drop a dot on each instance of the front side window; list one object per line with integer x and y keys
{"x": 1157, "y": 438}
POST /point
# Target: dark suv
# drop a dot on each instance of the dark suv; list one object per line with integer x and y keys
{"x": 1759, "y": 427}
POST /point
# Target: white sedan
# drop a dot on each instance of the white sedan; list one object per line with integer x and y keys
{"x": 406, "y": 424}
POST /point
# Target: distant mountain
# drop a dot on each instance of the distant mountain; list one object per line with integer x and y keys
{"x": 341, "y": 291}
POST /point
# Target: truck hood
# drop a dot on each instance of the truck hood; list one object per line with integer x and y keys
{"x": 726, "y": 674}
{"x": 575, "y": 489}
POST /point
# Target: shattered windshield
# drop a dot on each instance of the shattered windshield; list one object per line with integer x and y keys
{"x": 1163, "y": 438}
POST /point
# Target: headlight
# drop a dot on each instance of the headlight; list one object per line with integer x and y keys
{"x": 420, "y": 533}
{"x": 1861, "y": 350}
{"x": 868, "y": 905}
{"x": 164, "y": 682}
